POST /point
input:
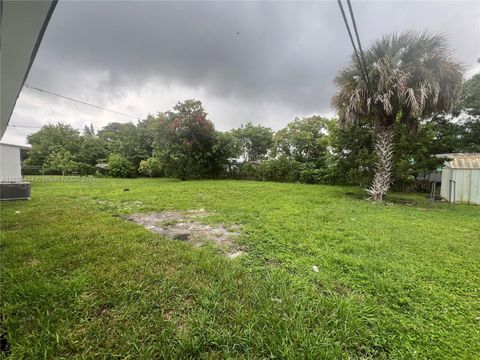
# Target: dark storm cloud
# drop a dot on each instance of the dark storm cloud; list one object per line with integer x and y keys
{"x": 250, "y": 54}
{"x": 277, "y": 51}
{"x": 281, "y": 51}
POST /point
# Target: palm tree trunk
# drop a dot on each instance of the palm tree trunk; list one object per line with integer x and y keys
{"x": 384, "y": 165}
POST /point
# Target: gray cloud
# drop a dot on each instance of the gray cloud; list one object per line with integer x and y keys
{"x": 260, "y": 61}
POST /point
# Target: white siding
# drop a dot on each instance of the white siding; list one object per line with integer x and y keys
{"x": 467, "y": 185}
{"x": 10, "y": 169}
{"x": 475, "y": 187}
{"x": 459, "y": 177}
{"x": 446, "y": 177}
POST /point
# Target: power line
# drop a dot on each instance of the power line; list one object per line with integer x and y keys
{"x": 81, "y": 102}
{"x": 359, "y": 42}
{"x": 25, "y": 126}
{"x": 353, "y": 44}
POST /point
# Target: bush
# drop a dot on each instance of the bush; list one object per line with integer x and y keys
{"x": 85, "y": 169}
{"x": 28, "y": 169}
{"x": 119, "y": 166}
{"x": 281, "y": 169}
{"x": 150, "y": 167}
{"x": 246, "y": 171}
{"x": 310, "y": 174}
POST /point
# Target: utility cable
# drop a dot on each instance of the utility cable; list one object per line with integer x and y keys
{"x": 359, "y": 43}
{"x": 353, "y": 43}
{"x": 81, "y": 102}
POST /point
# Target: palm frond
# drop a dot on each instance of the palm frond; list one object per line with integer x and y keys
{"x": 410, "y": 73}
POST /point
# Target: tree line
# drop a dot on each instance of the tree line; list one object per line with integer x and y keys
{"x": 183, "y": 143}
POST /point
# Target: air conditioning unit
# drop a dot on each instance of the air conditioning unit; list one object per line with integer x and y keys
{"x": 14, "y": 191}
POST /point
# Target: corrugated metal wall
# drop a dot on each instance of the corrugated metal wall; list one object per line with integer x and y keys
{"x": 475, "y": 187}
{"x": 446, "y": 176}
{"x": 467, "y": 185}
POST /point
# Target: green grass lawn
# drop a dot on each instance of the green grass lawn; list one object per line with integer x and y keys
{"x": 396, "y": 281}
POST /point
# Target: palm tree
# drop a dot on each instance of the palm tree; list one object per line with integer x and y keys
{"x": 407, "y": 77}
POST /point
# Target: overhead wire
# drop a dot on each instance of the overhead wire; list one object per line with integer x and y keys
{"x": 25, "y": 126}
{"x": 81, "y": 102}
{"x": 359, "y": 61}
{"x": 359, "y": 43}
{"x": 71, "y": 99}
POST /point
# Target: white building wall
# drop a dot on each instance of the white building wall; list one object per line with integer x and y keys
{"x": 467, "y": 185}
{"x": 446, "y": 177}
{"x": 461, "y": 180}
{"x": 10, "y": 167}
{"x": 475, "y": 187}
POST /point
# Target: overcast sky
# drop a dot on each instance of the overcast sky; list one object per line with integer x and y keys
{"x": 264, "y": 62}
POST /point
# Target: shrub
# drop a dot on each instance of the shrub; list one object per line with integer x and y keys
{"x": 60, "y": 162}
{"x": 28, "y": 169}
{"x": 246, "y": 171}
{"x": 119, "y": 166}
{"x": 281, "y": 169}
{"x": 85, "y": 169}
{"x": 150, "y": 167}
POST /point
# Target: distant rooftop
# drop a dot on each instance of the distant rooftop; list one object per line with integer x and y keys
{"x": 462, "y": 160}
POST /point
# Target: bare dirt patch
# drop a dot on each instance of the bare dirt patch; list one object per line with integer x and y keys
{"x": 185, "y": 226}
{"x": 32, "y": 262}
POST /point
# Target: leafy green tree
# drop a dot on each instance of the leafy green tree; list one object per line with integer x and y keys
{"x": 471, "y": 135}
{"x": 455, "y": 134}
{"x": 60, "y": 161}
{"x": 123, "y": 139}
{"x": 282, "y": 169}
{"x": 148, "y": 130}
{"x": 469, "y": 103}
{"x": 304, "y": 140}
{"x": 120, "y": 166}
{"x": 93, "y": 150}
{"x": 414, "y": 154}
{"x": 50, "y": 139}
{"x": 254, "y": 141}
{"x": 225, "y": 149}
{"x": 469, "y": 99}
{"x": 352, "y": 159}
{"x": 88, "y": 130}
{"x": 185, "y": 146}
{"x": 448, "y": 133}
{"x": 408, "y": 76}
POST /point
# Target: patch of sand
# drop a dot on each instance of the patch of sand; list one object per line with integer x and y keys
{"x": 184, "y": 226}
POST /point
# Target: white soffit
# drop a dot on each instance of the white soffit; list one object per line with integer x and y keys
{"x": 22, "y": 26}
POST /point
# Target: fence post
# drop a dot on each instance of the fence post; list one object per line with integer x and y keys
{"x": 451, "y": 184}
{"x": 432, "y": 192}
